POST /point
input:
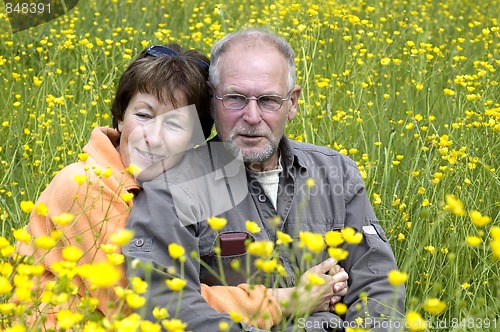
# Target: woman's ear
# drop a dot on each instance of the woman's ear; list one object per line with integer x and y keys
{"x": 120, "y": 126}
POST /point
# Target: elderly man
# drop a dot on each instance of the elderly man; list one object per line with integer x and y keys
{"x": 285, "y": 187}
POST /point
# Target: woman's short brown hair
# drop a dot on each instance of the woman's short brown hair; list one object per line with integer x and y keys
{"x": 159, "y": 74}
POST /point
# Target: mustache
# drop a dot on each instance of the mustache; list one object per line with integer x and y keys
{"x": 248, "y": 132}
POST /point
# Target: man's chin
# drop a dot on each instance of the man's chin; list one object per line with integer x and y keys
{"x": 257, "y": 155}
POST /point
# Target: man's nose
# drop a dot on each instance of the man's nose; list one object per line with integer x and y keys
{"x": 252, "y": 112}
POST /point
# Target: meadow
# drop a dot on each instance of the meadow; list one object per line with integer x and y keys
{"x": 409, "y": 89}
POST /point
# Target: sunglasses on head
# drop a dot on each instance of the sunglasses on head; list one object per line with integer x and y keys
{"x": 158, "y": 51}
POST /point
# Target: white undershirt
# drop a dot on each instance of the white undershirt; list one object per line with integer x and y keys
{"x": 269, "y": 180}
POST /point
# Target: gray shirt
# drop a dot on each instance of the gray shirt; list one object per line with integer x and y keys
{"x": 209, "y": 181}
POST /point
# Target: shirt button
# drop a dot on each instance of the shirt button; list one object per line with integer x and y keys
{"x": 262, "y": 198}
{"x": 139, "y": 242}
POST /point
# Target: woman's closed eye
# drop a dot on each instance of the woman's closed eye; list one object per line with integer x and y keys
{"x": 143, "y": 115}
{"x": 174, "y": 125}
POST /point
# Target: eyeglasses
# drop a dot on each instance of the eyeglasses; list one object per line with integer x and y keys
{"x": 158, "y": 51}
{"x": 267, "y": 103}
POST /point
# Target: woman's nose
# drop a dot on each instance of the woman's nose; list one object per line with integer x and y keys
{"x": 153, "y": 133}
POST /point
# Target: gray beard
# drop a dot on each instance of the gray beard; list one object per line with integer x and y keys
{"x": 266, "y": 153}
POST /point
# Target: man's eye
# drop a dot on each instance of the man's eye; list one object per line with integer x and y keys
{"x": 235, "y": 97}
{"x": 269, "y": 99}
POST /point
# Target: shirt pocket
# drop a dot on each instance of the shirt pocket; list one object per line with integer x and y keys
{"x": 233, "y": 254}
{"x": 380, "y": 259}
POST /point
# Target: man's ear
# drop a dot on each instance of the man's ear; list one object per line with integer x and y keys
{"x": 294, "y": 98}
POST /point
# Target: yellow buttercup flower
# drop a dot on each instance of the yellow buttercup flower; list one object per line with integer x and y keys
{"x": 83, "y": 156}
{"x": 127, "y": 197}
{"x": 133, "y": 169}
{"x": 135, "y": 301}
{"x": 478, "y": 219}
{"x": 217, "y": 223}
{"x": 283, "y": 238}
{"x": 454, "y": 205}
{"x": 263, "y": 249}
{"x": 7, "y": 308}
{"x": 351, "y": 236}
{"x": 42, "y": 210}
{"x": 176, "y": 284}
{"x": 340, "y": 308}
{"x": 495, "y": 232}
{"x": 7, "y": 251}
{"x": 138, "y": 285}
{"x": 338, "y": 254}
{"x": 252, "y": 227}
{"x": 174, "y": 325}
{"x": 312, "y": 241}
{"x": 5, "y": 285}
{"x": 160, "y": 313}
{"x": 235, "y": 317}
{"x": 63, "y": 219}
{"x": 397, "y": 278}
{"x": 473, "y": 241}
{"x": 27, "y": 206}
{"x": 107, "y": 173}
{"x": 334, "y": 238}
{"x": 80, "y": 179}
{"x": 495, "y": 248}
{"x": 56, "y": 234}
{"x": 3, "y": 243}
{"x": 266, "y": 266}
{"x": 72, "y": 254}
{"x": 108, "y": 248}
{"x": 122, "y": 237}
{"x": 66, "y": 318}
{"x": 6, "y": 269}
{"x": 45, "y": 242}
{"x": 100, "y": 275}
{"x": 115, "y": 258}
{"x": 149, "y": 326}
{"x": 129, "y": 323}
{"x": 415, "y": 322}
{"x": 449, "y": 92}
{"x": 314, "y": 279}
{"x": 175, "y": 251}
{"x": 22, "y": 235}
{"x": 310, "y": 182}
{"x": 434, "y": 306}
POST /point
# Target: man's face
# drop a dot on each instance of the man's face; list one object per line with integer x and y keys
{"x": 254, "y": 70}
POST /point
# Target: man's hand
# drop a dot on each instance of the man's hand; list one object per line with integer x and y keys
{"x": 314, "y": 297}
{"x": 340, "y": 286}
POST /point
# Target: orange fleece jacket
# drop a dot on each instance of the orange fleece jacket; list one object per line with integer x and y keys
{"x": 100, "y": 211}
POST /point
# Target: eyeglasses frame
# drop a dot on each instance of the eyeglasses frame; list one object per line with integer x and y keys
{"x": 221, "y": 98}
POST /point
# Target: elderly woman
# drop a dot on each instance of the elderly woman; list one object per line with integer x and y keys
{"x": 160, "y": 110}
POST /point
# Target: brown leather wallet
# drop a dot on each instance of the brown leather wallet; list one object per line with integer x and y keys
{"x": 232, "y": 244}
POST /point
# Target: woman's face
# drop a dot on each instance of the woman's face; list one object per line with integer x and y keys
{"x": 154, "y": 135}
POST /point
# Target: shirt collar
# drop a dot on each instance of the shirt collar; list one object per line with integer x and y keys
{"x": 290, "y": 156}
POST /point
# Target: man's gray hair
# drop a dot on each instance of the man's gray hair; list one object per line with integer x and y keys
{"x": 254, "y": 34}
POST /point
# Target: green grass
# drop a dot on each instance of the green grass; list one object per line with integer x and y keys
{"x": 370, "y": 72}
